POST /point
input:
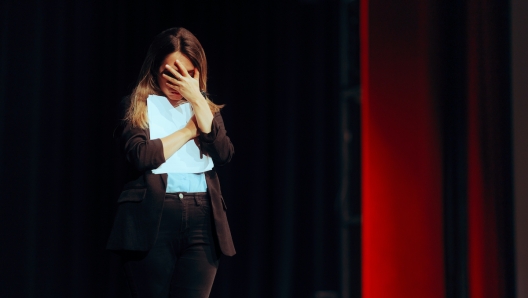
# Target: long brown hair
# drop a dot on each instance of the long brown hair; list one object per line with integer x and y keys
{"x": 172, "y": 40}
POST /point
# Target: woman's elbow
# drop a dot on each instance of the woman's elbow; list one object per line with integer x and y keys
{"x": 224, "y": 158}
{"x": 144, "y": 163}
{"x": 145, "y": 156}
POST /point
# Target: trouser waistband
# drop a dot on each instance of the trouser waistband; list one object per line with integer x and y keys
{"x": 186, "y": 195}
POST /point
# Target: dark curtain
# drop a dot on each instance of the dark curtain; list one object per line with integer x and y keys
{"x": 65, "y": 65}
{"x": 478, "y": 202}
{"x": 490, "y": 192}
{"x": 477, "y": 148}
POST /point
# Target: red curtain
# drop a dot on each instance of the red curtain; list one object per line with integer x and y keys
{"x": 406, "y": 68}
{"x": 402, "y": 249}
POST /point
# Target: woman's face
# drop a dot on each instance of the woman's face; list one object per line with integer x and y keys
{"x": 170, "y": 93}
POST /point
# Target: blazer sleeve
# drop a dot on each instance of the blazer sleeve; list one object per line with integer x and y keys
{"x": 144, "y": 154}
{"x": 216, "y": 143}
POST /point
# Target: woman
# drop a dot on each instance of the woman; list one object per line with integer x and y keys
{"x": 171, "y": 228}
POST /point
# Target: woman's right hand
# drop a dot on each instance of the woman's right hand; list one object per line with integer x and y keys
{"x": 192, "y": 127}
{"x": 177, "y": 139}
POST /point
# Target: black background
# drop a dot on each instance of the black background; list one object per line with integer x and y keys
{"x": 64, "y": 66}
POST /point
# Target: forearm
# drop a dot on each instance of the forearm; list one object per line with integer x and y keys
{"x": 175, "y": 141}
{"x": 204, "y": 116}
{"x": 216, "y": 143}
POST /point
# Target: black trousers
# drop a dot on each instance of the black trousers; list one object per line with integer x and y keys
{"x": 184, "y": 259}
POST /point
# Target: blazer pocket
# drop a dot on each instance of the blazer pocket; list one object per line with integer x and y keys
{"x": 223, "y": 203}
{"x": 132, "y": 195}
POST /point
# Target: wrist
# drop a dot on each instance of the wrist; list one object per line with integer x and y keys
{"x": 187, "y": 133}
{"x": 199, "y": 106}
{"x": 197, "y": 98}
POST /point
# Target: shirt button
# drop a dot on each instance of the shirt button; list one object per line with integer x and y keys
{"x": 181, "y": 196}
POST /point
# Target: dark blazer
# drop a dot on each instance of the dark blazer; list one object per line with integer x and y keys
{"x": 141, "y": 201}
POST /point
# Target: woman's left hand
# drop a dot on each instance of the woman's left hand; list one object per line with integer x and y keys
{"x": 187, "y": 86}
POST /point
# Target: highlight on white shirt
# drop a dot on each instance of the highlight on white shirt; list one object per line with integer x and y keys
{"x": 164, "y": 119}
{"x": 186, "y": 167}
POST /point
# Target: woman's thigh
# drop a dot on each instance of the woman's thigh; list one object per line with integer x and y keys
{"x": 149, "y": 273}
{"x": 197, "y": 262}
{"x": 194, "y": 273}
{"x": 184, "y": 258}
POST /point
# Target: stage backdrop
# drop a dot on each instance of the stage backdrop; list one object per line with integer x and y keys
{"x": 436, "y": 147}
{"x": 64, "y": 67}
{"x": 519, "y": 26}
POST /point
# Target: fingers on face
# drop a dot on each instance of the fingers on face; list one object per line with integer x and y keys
{"x": 176, "y": 77}
{"x": 182, "y": 69}
{"x": 172, "y": 73}
{"x": 171, "y": 81}
{"x": 171, "y": 78}
{"x": 172, "y": 86}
